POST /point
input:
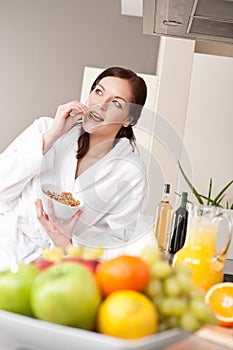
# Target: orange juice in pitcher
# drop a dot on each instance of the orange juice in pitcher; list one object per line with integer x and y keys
{"x": 199, "y": 250}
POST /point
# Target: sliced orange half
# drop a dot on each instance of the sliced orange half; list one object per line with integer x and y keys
{"x": 220, "y": 300}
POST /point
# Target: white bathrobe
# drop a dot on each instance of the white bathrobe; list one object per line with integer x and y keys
{"x": 114, "y": 191}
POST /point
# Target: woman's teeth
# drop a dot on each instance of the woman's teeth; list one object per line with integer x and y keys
{"x": 96, "y": 117}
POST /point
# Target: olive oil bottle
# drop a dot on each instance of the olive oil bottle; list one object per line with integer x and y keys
{"x": 162, "y": 219}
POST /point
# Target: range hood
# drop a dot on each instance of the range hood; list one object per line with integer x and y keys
{"x": 210, "y": 20}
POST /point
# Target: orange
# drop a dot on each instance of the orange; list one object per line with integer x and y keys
{"x": 220, "y": 300}
{"x": 127, "y": 314}
{"x": 122, "y": 272}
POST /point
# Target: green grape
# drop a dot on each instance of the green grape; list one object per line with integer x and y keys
{"x": 161, "y": 269}
{"x": 185, "y": 281}
{"x": 179, "y": 307}
{"x": 200, "y": 310}
{"x": 157, "y": 300}
{"x": 151, "y": 255}
{"x": 154, "y": 288}
{"x": 212, "y": 319}
{"x": 165, "y": 306}
{"x": 184, "y": 269}
{"x": 197, "y": 294}
{"x": 172, "y": 322}
{"x": 189, "y": 322}
{"x": 172, "y": 286}
{"x": 172, "y": 306}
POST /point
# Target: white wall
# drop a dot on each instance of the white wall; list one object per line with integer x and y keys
{"x": 208, "y": 133}
{"x": 45, "y": 46}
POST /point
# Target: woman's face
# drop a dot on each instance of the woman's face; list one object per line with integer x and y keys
{"x": 109, "y": 105}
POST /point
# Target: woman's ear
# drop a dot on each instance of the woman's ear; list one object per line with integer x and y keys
{"x": 129, "y": 121}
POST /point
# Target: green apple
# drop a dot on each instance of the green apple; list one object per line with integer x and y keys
{"x": 66, "y": 294}
{"x": 15, "y": 287}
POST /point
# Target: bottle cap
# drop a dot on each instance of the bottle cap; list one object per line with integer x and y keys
{"x": 184, "y": 197}
{"x": 167, "y": 188}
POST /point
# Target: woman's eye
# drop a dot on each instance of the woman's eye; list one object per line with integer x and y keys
{"x": 98, "y": 91}
{"x": 117, "y": 104}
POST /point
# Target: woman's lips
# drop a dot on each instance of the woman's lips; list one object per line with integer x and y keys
{"x": 96, "y": 117}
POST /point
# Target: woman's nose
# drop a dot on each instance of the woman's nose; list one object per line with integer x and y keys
{"x": 103, "y": 105}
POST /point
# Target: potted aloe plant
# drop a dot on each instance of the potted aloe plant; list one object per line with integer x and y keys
{"x": 217, "y": 200}
{"x": 207, "y": 199}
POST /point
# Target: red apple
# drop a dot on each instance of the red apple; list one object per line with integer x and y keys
{"x": 42, "y": 264}
{"x": 89, "y": 263}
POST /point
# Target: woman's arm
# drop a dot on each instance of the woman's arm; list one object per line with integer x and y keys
{"x": 22, "y": 159}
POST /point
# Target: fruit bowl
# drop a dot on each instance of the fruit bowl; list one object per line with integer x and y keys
{"x": 31, "y": 333}
{"x": 61, "y": 210}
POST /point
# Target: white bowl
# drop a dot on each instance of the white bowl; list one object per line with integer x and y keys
{"x": 37, "y": 334}
{"x": 61, "y": 210}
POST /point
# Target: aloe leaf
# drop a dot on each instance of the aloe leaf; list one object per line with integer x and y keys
{"x": 219, "y": 201}
{"x": 222, "y": 191}
{"x": 205, "y": 197}
{"x": 210, "y": 190}
{"x": 231, "y": 207}
{"x": 211, "y": 201}
{"x": 194, "y": 191}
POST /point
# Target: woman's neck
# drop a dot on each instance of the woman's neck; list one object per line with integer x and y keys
{"x": 99, "y": 146}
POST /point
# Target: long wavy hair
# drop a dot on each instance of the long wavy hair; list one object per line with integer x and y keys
{"x": 139, "y": 94}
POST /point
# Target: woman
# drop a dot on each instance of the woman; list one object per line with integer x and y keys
{"x": 94, "y": 158}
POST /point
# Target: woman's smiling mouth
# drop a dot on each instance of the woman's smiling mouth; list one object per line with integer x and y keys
{"x": 96, "y": 117}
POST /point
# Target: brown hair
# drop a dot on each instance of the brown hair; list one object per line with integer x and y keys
{"x": 139, "y": 93}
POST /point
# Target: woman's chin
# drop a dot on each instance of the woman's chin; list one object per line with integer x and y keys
{"x": 90, "y": 126}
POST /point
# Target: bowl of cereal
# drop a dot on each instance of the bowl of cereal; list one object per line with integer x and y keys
{"x": 65, "y": 203}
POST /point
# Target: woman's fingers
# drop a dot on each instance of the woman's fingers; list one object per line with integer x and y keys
{"x": 63, "y": 121}
{"x": 50, "y": 209}
{"x": 75, "y": 218}
{"x": 72, "y": 109}
{"x": 41, "y": 215}
{"x": 39, "y": 210}
{"x": 58, "y": 231}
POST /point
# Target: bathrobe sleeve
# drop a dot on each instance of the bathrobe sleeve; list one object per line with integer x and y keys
{"x": 22, "y": 159}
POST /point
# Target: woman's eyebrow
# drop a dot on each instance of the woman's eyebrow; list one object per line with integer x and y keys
{"x": 114, "y": 96}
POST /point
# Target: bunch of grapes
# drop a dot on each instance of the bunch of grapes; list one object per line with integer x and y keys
{"x": 178, "y": 302}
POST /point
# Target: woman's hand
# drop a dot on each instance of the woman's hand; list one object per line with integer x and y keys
{"x": 60, "y": 233}
{"x": 63, "y": 122}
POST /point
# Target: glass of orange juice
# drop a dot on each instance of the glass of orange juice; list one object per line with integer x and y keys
{"x": 199, "y": 250}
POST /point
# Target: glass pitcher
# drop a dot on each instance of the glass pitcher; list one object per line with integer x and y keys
{"x": 199, "y": 250}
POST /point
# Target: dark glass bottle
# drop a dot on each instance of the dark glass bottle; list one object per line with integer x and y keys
{"x": 179, "y": 227}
